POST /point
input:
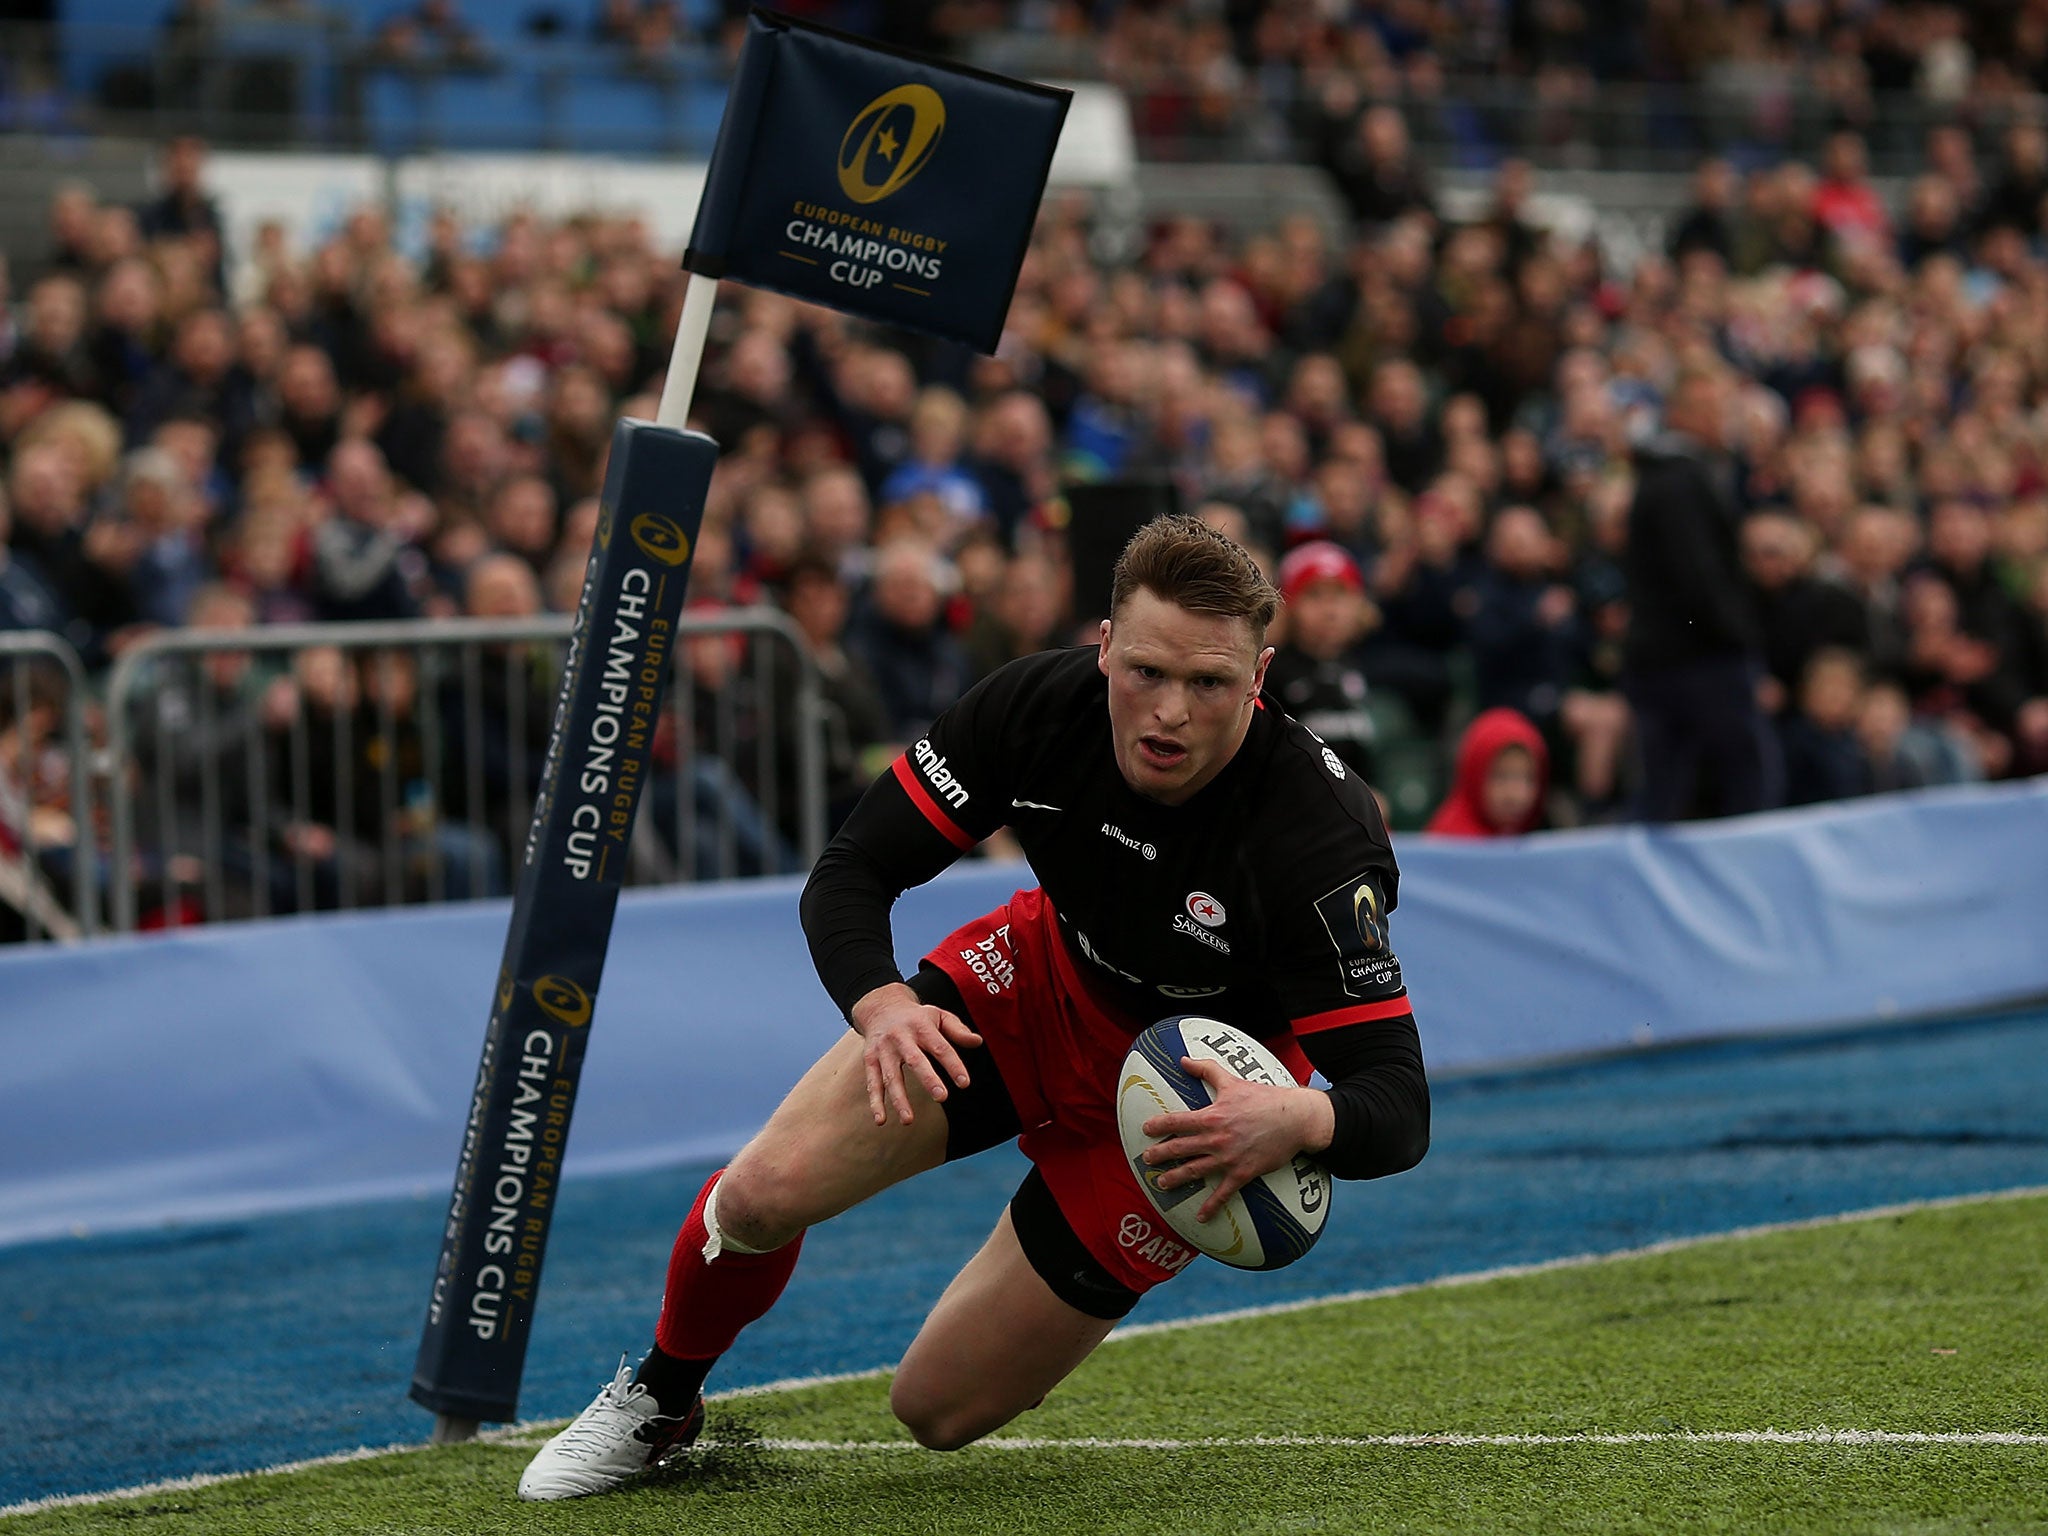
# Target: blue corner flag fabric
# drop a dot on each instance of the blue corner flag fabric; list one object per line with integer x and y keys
{"x": 890, "y": 185}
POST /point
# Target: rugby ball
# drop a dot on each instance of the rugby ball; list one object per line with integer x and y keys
{"x": 1273, "y": 1220}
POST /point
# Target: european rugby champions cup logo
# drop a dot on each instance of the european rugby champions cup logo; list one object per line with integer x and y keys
{"x": 892, "y": 138}
{"x": 1356, "y": 922}
{"x": 562, "y": 1000}
{"x": 1365, "y": 912}
{"x": 660, "y": 538}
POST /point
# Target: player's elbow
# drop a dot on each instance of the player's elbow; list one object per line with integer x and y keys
{"x": 1383, "y": 1124}
{"x": 1410, "y": 1141}
{"x": 1403, "y": 1141}
{"x": 1411, "y": 1148}
{"x": 1395, "y": 1147}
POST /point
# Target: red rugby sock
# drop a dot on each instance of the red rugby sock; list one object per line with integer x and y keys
{"x": 705, "y": 1306}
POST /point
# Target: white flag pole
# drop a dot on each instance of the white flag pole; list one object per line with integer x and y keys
{"x": 688, "y": 356}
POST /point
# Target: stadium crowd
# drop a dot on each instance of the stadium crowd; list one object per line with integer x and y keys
{"x": 1430, "y": 432}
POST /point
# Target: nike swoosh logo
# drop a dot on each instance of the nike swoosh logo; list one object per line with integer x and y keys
{"x": 1032, "y": 805}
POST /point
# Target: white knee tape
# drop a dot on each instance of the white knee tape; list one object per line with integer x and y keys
{"x": 715, "y": 1241}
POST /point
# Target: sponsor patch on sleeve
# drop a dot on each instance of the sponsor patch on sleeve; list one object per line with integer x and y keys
{"x": 1356, "y": 922}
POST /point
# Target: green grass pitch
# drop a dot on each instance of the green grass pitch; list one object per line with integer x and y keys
{"x": 1850, "y": 1377}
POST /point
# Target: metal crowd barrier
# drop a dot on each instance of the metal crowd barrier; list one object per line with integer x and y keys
{"x": 34, "y": 867}
{"x": 1473, "y": 118}
{"x": 293, "y": 768}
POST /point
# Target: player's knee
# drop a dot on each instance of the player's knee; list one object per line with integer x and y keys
{"x": 935, "y": 1425}
{"x": 942, "y": 1436}
{"x": 755, "y": 1208}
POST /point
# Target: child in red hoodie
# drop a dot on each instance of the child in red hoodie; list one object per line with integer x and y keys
{"x": 1503, "y": 770}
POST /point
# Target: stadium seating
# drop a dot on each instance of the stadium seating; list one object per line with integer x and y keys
{"x": 533, "y": 90}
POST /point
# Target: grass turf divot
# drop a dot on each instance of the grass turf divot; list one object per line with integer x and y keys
{"x": 1881, "y": 1376}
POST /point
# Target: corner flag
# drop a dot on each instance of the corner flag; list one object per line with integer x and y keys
{"x": 473, "y": 1348}
{"x": 893, "y": 186}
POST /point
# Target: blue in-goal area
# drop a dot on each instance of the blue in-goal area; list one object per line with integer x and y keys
{"x": 221, "y": 1347}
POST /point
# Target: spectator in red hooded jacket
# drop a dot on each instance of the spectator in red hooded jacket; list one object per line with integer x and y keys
{"x": 1503, "y": 771}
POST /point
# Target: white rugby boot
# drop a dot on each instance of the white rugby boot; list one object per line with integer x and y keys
{"x": 611, "y": 1442}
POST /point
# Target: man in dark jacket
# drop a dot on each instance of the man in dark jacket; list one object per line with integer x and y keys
{"x": 82, "y": 563}
{"x": 1369, "y": 157}
{"x": 1694, "y": 656}
{"x": 183, "y": 210}
{"x": 26, "y": 602}
{"x": 200, "y": 378}
{"x": 1525, "y": 631}
{"x": 1798, "y": 614}
{"x": 916, "y": 663}
{"x": 367, "y": 563}
{"x": 53, "y": 352}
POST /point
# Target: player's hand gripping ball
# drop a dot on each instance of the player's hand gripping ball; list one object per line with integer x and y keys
{"x": 1274, "y": 1219}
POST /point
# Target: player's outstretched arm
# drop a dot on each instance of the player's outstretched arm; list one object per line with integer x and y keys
{"x": 1249, "y": 1129}
{"x": 902, "y": 1035}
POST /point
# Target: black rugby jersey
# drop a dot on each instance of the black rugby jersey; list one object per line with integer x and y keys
{"x": 1261, "y": 901}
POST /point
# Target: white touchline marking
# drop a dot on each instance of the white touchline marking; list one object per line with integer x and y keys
{"x": 531, "y": 1431}
{"x": 199, "y": 1480}
{"x": 1451, "y": 1441}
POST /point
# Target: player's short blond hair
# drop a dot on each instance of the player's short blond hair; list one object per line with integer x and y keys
{"x": 1188, "y": 563}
